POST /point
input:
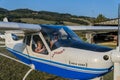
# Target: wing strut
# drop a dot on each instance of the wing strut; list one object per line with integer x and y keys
{"x": 13, "y": 59}
{"x": 32, "y": 68}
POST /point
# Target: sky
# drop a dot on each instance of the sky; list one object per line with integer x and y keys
{"x": 91, "y": 8}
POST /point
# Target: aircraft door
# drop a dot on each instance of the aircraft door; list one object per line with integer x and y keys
{"x": 38, "y": 47}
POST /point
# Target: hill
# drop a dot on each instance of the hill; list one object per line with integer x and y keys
{"x": 44, "y": 17}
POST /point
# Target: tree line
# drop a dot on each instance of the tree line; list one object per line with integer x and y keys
{"x": 59, "y": 18}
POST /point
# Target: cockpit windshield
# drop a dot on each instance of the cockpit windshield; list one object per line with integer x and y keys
{"x": 59, "y": 36}
{"x": 61, "y": 31}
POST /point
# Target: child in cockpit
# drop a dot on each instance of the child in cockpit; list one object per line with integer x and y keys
{"x": 40, "y": 48}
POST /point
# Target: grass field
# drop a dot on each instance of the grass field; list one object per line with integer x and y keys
{"x": 41, "y": 21}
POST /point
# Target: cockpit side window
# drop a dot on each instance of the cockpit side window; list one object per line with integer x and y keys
{"x": 38, "y": 45}
{"x": 16, "y": 36}
{"x": 51, "y": 38}
{"x": 46, "y": 37}
{"x": 55, "y": 36}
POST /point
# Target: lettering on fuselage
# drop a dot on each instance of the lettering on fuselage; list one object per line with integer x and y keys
{"x": 78, "y": 64}
{"x": 58, "y": 52}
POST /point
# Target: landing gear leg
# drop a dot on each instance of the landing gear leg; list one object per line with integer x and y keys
{"x": 32, "y": 68}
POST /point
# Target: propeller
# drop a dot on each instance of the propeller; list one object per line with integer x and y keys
{"x": 116, "y": 53}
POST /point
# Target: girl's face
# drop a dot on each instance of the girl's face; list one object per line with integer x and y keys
{"x": 39, "y": 43}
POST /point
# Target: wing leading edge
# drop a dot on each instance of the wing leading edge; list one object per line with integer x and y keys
{"x": 35, "y": 27}
{"x": 94, "y": 28}
{"x": 19, "y": 26}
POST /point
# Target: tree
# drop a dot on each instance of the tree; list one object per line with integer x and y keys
{"x": 100, "y": 18}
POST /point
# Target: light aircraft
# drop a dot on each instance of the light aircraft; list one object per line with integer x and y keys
{"x": 68, "y": 57}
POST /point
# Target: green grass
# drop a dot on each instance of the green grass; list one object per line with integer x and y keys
{"x": 71, "y": 24}
{"x": 109, "y": 76}
{"x": 37, "y": 21}
{"x": 41, "y": 21}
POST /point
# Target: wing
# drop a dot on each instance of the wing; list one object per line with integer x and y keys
{"x": 94, "y": 28}
{"x": 19, "y": 26}
{"x": 35, "y": 27}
